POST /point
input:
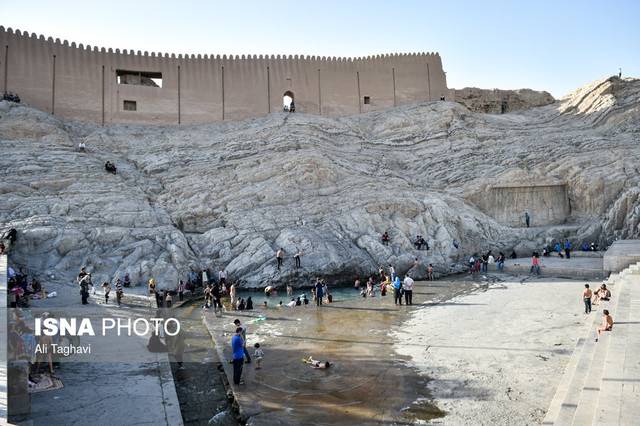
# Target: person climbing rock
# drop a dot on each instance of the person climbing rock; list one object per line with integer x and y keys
{"x": 280, "y": 257}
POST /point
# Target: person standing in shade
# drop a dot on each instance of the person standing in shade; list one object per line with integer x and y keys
{"x": 527, "y": 219}
{"x": 408, "y": 290}
{"x": 297, "y": 258}
{"x": 233, "y": 296}
{"x": 586, "y": 298}
{"x": 397, "y": 291}
{"x": 237, "y": 347}
{"x": 119, "y": 292}
{"x": 106, "y": 288}
{"x": 181, "y": 290}
{"x": 280, "y": 257}
{"x": 319, "y": 293}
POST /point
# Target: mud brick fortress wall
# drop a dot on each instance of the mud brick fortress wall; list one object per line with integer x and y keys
{"x": 81, "y": 82}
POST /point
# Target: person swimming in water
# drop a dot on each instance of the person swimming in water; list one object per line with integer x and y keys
{"x": 316, "y": 364}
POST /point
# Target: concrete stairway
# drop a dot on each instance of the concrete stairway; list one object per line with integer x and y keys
{"x": 601, "y": 383}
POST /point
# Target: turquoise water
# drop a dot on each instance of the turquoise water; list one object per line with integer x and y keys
{"x": 258, "y": 297}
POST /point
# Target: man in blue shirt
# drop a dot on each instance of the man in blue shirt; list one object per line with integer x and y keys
{"x": 567, "y": 249}
{"x": 237, "y": 347}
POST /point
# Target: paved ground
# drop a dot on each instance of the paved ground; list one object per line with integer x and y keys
{"x": 495, "y": 357}
{"x": 576, "y": 267}
{"x": 120, "y": 373}
{"x": 368, "y": 384}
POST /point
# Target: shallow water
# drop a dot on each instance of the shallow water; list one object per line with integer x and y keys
{"x": 258, "y": 296}
{"x": 368, "y": 382}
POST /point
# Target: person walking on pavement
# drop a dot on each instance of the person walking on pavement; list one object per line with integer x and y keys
{"x": 244, "y": 338}
{"x": 237, "y": 348}
{"x": 586, "y": 298}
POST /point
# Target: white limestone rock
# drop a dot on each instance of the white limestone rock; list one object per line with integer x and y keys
{"x": 230, "y": 194}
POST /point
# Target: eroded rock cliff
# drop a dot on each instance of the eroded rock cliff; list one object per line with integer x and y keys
{"x": 230, "y": 194}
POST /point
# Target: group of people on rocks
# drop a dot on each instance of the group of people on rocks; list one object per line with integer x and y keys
{"x": 22, "y": 289}
{"x": 388, "y": 281}
{"x": 481, "y": 263}
{"x": 296, "y": 258}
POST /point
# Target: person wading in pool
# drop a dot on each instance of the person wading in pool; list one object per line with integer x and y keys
{"x": 319, "y": 293}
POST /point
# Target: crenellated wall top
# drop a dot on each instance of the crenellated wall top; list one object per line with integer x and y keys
{"x": 130, "y": 52}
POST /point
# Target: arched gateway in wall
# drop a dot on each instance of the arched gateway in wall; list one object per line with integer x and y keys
{"x": 106, "y": 86}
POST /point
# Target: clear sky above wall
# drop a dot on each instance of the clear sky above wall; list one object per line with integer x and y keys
{"x": 544, "y": 45}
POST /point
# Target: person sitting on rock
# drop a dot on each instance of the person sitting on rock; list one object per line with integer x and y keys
{"x": 607, "y": 324}
{"x": 110, "y": 167}
{"x": 594, "y": 247}
{"x": 602, "y": 293}
{"x": 585, "y": 246}
{"x": 385, "y": 238}
{"x": 513, "y": 255}
{"x": 82, "y": 147}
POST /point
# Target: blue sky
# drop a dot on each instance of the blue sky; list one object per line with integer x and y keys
{"x": 545, "y": 45}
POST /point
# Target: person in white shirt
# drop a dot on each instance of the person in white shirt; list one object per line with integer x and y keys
{"x": 222, "y": 278}
{"x": 407, "y": 285}
{"x": 392, "y": 272}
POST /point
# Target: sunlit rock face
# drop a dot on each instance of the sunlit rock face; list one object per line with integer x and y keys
{"x": 231, "y": 194}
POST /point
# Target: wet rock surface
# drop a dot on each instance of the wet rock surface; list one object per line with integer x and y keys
{"x": 231, "y": 194}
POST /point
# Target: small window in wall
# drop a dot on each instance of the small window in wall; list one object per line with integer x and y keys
{"x": 130, "y": 106}
{"x": 367, "y": 100}
{"x": 139, "y": 78}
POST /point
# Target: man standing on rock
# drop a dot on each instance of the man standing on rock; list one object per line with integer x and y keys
{"x": 297, "y": 258}
{"x": 527, "y": 218}
{"x": 280, "y": 257}
{"x": 237, "y": 347}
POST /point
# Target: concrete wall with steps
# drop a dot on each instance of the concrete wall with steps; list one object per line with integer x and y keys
{"x": 621, "y": 254}
{"x": 601, "y": 383}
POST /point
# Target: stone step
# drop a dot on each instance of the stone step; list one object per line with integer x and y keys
{"x": 619, "y": 397}
{"x": 580, "y": 357}
{"x": 565, "y": 402}
{"x": 590, "y": 392}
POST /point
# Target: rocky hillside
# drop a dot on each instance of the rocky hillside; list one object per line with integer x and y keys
{"x": 230, "y": 194}
{"x": 498, "y": 101}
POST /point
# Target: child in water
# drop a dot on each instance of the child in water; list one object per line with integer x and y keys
{"x": 316, "y": 364}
